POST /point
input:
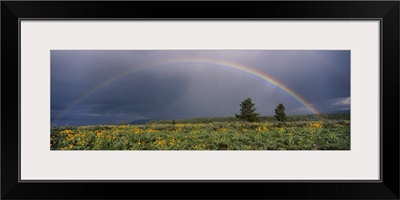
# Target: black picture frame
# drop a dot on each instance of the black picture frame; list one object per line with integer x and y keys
{"x": 386, "y": 11}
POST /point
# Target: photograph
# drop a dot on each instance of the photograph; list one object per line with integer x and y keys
{"x": 200, "y": 100}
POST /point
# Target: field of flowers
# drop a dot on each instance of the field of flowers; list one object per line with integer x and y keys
{"x": 304, "y": 135}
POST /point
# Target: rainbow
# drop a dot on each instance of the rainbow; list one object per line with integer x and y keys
{"x": 231, "y": 65}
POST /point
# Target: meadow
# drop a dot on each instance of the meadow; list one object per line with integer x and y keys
{"x": 325, "y": 132}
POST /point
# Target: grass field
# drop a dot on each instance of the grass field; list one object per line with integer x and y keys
{"x": 181, "y": 135}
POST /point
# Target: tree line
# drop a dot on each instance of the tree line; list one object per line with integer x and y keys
{"x": 290, "y": 118}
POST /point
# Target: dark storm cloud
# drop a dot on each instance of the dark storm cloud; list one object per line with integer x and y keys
{"x": 186, "y": 90}
{"x": 316, "y": 75}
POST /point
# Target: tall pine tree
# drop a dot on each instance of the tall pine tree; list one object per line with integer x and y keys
{"x": 280, "y": 114}
{"x": 247, "y": 108}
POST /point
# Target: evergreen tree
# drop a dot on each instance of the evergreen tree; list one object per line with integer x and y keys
{"x": 280, "y": 114}
{"x": 247, "y": 113}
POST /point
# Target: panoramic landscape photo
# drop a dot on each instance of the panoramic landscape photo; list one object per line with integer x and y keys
{"x": 200, "y": 100}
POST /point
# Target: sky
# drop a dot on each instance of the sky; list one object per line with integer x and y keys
{"x": 90, "y": 87}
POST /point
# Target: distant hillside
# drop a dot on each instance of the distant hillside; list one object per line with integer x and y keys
{"x": 336, "y": 112}
{"x": 140, "y": 121}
